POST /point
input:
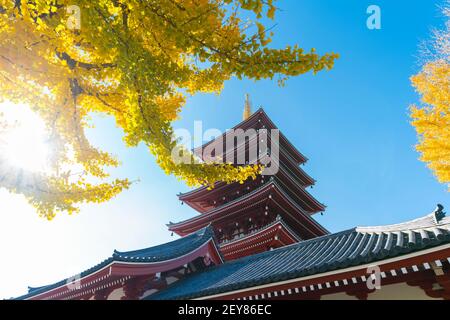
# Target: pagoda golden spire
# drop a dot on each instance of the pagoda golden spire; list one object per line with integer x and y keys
{"x": 247, "y": 108}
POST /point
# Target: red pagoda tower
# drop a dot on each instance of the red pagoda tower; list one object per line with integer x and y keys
{"x": 409, "y": 260}
{"x": 262, "y": 214}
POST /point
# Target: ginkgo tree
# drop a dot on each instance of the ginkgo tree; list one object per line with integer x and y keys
{"x": 134, "y": 60}
{"x": 432, "y": 119}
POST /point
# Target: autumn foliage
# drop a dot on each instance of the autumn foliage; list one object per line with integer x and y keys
{"x": 432, "y": 118}
{"x": 136, "y": 61}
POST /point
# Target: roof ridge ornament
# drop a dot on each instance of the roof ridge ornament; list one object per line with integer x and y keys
{"x": 439, "y": 213}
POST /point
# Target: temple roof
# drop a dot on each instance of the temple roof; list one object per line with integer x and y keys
{"x": 168, "y": 250}
{"x": 340, "y": 250}
{"x": 260, "y": 114}
{"x": 159, "y": 253}
{"x": 262, "y": 192}
{"x": 204, "y": 192}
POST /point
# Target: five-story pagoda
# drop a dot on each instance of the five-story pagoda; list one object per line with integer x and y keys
{"x": 271, "y": 211}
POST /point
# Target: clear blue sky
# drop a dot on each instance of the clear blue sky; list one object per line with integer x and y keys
{"x": 352, "y": 123}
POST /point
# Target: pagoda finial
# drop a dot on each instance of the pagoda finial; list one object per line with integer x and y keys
{"x": 247, "y": 108}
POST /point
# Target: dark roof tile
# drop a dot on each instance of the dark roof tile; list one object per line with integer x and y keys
{"x": 158, "y": 253}
{"x": 330, "y": 252}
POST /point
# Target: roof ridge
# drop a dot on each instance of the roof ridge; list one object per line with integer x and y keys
{"x": 200, "y": 233}
{"x": 434, "y": 219}
{"x": 287, "y": 247}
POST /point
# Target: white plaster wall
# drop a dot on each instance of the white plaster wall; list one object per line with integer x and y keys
{"x": 399, "y": 291}
{"x": 117, "y": 294}
{"x": 338, "y": 296}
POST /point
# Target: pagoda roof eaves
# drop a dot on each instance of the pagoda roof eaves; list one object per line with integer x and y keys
{"x": 266, "y": 186}
{"x": 157, "y": 254}
{"x": 278, "y": 222}
{"x": 256, "y": 114}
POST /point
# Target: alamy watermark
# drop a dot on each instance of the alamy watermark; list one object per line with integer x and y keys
{"x": 235, "y": 146}
{"x": 74, "y": 17}
{"x": 374, "y": 279}
{"x": 374, "y": 20}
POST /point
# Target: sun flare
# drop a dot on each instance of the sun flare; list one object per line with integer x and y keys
{"x": 23, "y": 143}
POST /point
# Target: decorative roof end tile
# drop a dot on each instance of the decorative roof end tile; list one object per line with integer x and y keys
{"x": 439, "y": 213}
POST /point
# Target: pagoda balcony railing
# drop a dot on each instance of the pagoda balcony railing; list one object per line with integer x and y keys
{"x": 249, "y": 188}
{"x": 244, "y": 195}
{"x": 243, "y": 235}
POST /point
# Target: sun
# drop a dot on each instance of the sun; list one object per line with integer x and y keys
{"x": 23, "y": 142}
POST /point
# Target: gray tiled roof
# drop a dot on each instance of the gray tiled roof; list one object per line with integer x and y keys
{"x": 158, "y": 253}
{"x": 168, "y": 250}
{"x": 330, "y": 252}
